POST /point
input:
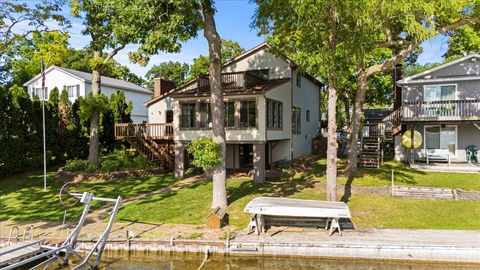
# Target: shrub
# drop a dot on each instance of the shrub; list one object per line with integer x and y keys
{"x": 141, "y": 162}
{"x": 111, "y": 165}
{"x": 76, "y": 165}
{"x": 205, "y": 152}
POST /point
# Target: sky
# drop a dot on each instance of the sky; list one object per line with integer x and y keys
{"x": 233, "y": 19}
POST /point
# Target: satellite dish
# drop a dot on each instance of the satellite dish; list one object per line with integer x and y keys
{"x": 407, "y": 139}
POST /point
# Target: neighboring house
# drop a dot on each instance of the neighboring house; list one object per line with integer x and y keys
{"x": 78, "y": 83}
{"x": 272, "y": 112}
{"x": 443, "y": 104}
{"x": 372, "y": 117}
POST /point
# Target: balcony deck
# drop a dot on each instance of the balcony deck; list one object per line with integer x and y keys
{"x": 155, "y": 131}
{"x": 448, "y": 110}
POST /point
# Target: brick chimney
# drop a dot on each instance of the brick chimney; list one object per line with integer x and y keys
{"x": 397, "y": 90}
{"x": 162, "y": 86}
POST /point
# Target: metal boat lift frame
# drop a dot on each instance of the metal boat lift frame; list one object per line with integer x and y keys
{"x": 67, "y": 248}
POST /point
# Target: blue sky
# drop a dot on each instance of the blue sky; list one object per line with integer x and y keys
{"x": 233, "y": 20}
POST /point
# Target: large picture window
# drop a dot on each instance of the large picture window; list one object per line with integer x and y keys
{"x": 274, "y": 114}
{"x": 296, "y": 120}
{"x": 229, "y": 114}
{"x": 438, "y": 137}
{"x": 438, "y": 92}
{"x": 188, "y": 115}
{"x": 205, "y": 115}
{"x": 248, "y": 113}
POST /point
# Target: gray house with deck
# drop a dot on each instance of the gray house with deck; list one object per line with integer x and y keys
{"x": 443, "y": 104}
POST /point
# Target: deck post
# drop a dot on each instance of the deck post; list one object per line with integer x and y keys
{"x": 259, "y": 162}
{"x": 179, "y": 159}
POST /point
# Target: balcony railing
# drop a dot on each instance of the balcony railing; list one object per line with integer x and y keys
{"x": 235, "y": 80}
{"x": 157, "y": 131}
{"x": 441, "y": 110}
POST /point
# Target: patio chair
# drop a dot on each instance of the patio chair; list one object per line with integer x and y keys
{"x": 471, "y": 152}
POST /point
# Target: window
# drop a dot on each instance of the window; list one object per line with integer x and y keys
{"x": 438, "y": 137}
{"x": 274, "y": 114}
{"x": 248, "y": 113}
{"x": 188, "y": 115}
{"x": 438, "y": 92}
{"x": 229, "y": 114}
{"x": 308, "y": 116}
{"x": 169, "y": 116}
{"x": 296, "y": 120}
{"x": 205, "y": 115}
{"x": 299, "y": 79}
{"x": 38, "y": 92}
{"x": 73, "y": 90}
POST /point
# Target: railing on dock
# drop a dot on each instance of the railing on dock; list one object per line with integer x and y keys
{"x": 156, "y": 131}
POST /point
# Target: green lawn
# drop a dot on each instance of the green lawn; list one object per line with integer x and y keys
{"x": 23, "y": 198}
{"x": 404, "y": 176}
{"x": 191, "y": 204}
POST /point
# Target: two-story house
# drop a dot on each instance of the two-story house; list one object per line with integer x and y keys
{"x": 272, "y": 112}
{"x": 78, "y": 83}
{"x": 443, "y": 104}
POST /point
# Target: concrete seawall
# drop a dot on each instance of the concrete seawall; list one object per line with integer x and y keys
{"x": 399, "y": 245}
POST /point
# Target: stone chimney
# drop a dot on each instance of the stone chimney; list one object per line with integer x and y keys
{"x": 397, "y": 90}
{"x": 162, "y": 86}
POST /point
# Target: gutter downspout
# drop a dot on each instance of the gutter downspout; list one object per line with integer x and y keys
{"x": 291, "y": 106}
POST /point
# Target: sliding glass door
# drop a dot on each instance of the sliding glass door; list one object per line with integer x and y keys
{"x": 438, "y": 137}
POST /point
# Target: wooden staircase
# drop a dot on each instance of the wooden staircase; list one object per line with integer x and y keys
{"x": 371, "y": 153}
{"x": 161, "y": 154}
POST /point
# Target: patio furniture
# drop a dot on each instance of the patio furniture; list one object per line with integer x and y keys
{"x": 472, "y": 152}
{"x": 297, "y": 210}
{"x": 438, "y": 154}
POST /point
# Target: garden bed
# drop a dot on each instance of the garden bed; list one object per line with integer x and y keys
{"x": 84, "y": 176}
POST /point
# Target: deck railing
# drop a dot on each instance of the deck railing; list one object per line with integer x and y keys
{"x": 235, "y": 80}
{"x": 156, "y": 131}
{"x": 442, "y": 110}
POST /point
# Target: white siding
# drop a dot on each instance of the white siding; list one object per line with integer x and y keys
{"x": 139, "y": 111}
{"x": 282, "y": 93}
{"x": 157, "y": 112}
{"x": 306, "y": 98}
{"x": 56, "y": 78}
{"x": 278, "y": 67}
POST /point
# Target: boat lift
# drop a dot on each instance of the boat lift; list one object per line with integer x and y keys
{"x": 21, "y": 253}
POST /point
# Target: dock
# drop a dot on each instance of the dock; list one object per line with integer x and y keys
{"x": 19, "y": 251}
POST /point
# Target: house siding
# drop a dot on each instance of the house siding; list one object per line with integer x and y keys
{"x": 157, "y": 112}
{"x": 465, "y": 90}
{"x": 278, "y": 67}
{"x": 283, "y": 94}
{"x": 56, "y": 78}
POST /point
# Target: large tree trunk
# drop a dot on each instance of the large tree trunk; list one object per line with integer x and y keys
{"x": 93, "y": 151}
{"x": 219, "y": 198}
{"x": 332, "y": 145}
{"x": 354, "y": 129}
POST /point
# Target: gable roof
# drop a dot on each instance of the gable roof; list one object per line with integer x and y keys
{"x": 261, "y": 46}
{"x": 411, "y": 79}
{"x": 87, "y": 77}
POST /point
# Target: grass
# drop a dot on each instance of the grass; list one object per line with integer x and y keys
{"x": 190, "y": 205}
{"x": 404, "y": 176}
{"x": 22, "y": 197}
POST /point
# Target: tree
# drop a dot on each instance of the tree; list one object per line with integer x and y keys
{"x": 216, "y": 100}
{"x": 463, "y": 41}
{"x": 230, "y": 49}
{"x": 173, "y": 71}
{"x": 396, "y": 30}
{"x": 311, "y": 33}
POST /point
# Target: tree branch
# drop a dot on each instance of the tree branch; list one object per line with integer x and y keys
{"x": 113, "y": 53}
{"x": 412, "y": 46}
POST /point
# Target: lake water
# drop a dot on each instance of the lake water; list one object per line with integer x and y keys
{"x": 154, "y": 261}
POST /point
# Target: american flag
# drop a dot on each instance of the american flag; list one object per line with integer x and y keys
{"x": 42, "y": 68}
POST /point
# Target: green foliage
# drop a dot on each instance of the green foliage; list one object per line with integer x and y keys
{"x": 111, "y": 165}
{"x": 76, "y": 165}
{"x": 174, "y": 71}
{"x": 91, "y": 104}
{"x": 205, "y": 152}
{"x": 463, "y": 41}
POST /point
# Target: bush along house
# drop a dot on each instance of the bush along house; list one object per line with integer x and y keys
{"x": 443, "y": 105}
{"x": 272, "y": 112}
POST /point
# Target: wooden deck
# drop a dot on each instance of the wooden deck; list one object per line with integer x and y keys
{"x": 155, "y": 131}
{"x": 19, "y": 251}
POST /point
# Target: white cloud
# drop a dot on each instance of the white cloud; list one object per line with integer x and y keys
{"x": 433, "y": 50}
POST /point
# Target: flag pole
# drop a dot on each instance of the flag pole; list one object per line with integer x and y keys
{"x": 43, "y": 126}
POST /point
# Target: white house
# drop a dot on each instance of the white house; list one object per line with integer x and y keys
{"x": 272, "y": 111}
{"x": 78, "y": 83}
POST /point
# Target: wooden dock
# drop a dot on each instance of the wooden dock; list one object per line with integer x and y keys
{"x": 19, "y": 251}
